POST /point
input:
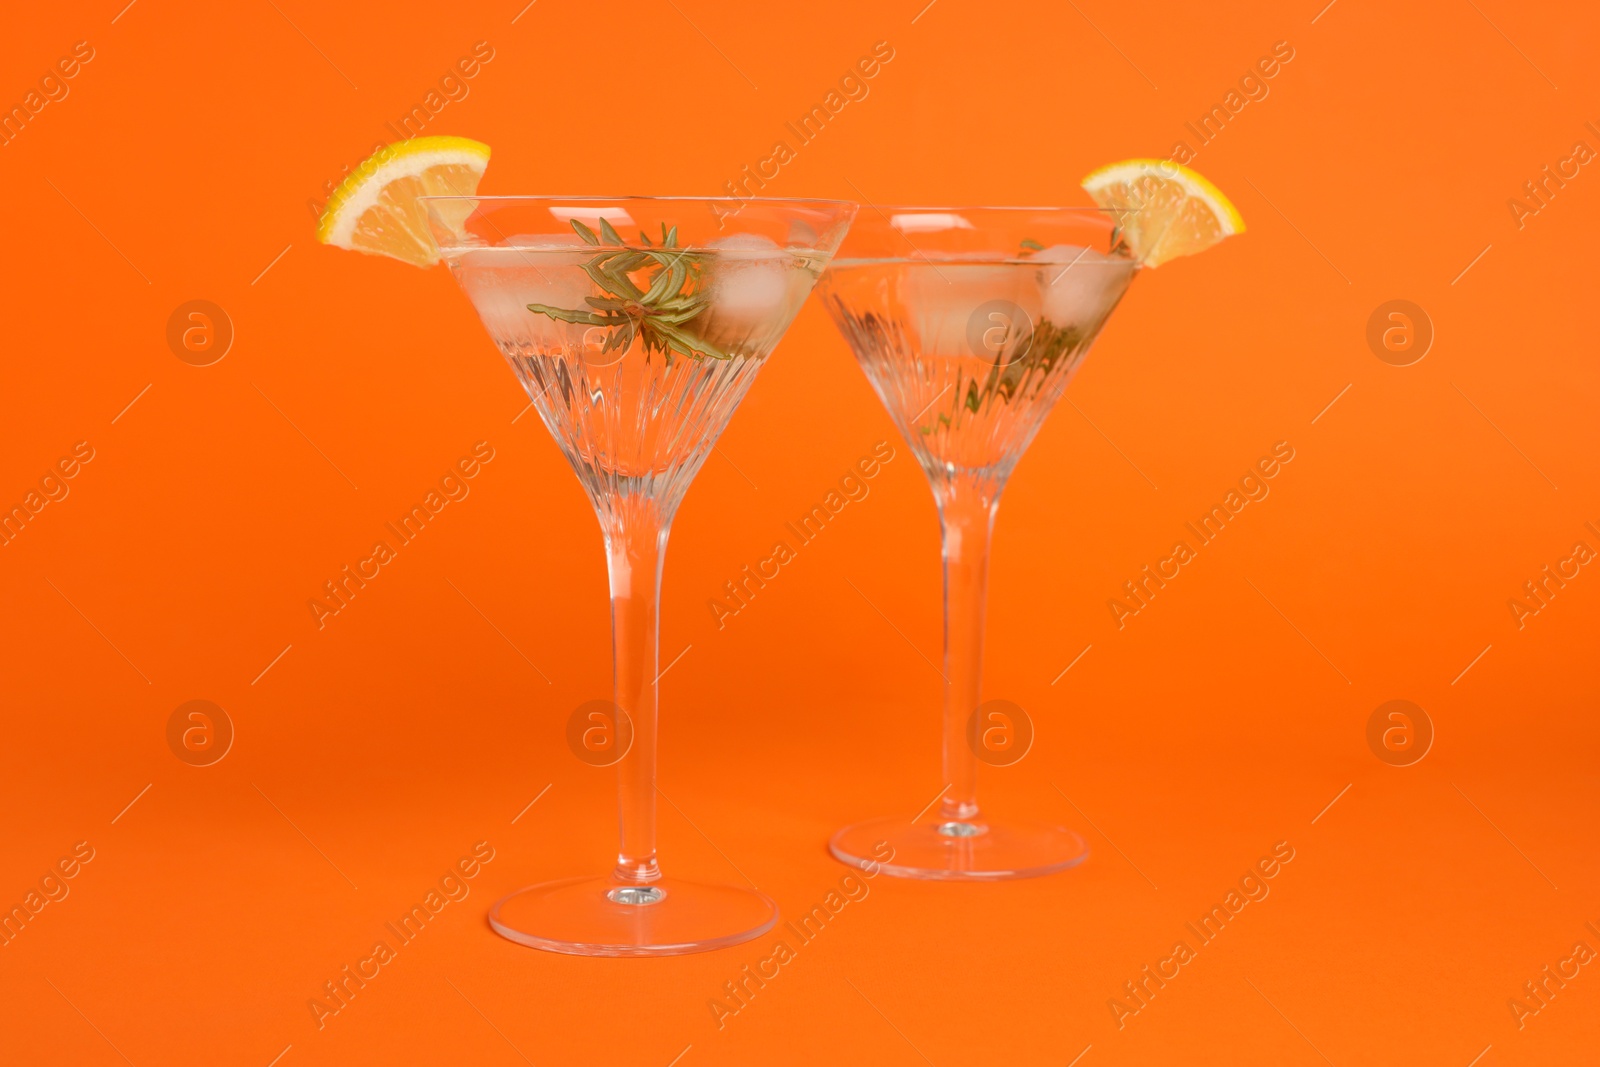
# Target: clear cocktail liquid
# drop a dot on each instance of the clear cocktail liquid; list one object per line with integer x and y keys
{"x": 632, "y": 417}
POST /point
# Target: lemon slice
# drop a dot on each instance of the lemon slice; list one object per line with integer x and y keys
{"x": 375, "y": 209}
{"x": 1172, "y": 211}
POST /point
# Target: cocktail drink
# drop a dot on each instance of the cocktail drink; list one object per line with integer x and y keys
{"x": 969, "y": 322}
{"x": 636, "y": 326}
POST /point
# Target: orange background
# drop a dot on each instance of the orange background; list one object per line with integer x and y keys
{"x": 1222, "y": 719}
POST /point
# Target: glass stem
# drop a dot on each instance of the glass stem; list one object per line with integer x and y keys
{"x": 967, "y": 506}
{"x": 636, "y": 543}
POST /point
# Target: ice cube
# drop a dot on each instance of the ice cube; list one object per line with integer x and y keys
{"x": 752, "y": 285}
{"x": 1080, "y": 285}
{"x": 749, "y": 277}
{"x": 973, "y": 308}
{"x": 502, "y": 282}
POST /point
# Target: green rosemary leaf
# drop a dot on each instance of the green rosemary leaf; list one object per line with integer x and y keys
{"x": 598, "y": 276}
{"x": 648, "y": 294}
{"x": 624, "y": 262}
{"x": 667, "y": 281}
{"x": 561, "y": 314}
{"x": 678, "y": 318}
{"x": 1032, "y": 245}
{"x": 690, "y": 345}
{"x": 1028, "y": 371}
{"x": 609, "y": 279}
{"x": 619, "y": 338}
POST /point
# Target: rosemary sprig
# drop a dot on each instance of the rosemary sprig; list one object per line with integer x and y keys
{"x": 1041, "y": 351}
{"x": 673, "y": 294}
{"x": 1048, "y": 344}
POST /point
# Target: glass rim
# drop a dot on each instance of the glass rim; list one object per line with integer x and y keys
{"x": 538, "y": 197}
{"x": 936, "y": 258}
{"x": 933, "y": 209}
{"x": 826, "y": 215}
{"x": 841, "y": 262}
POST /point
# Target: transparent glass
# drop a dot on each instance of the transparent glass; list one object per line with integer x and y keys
{"x": 969, "y": 322}
{"x": 636, "y": 325}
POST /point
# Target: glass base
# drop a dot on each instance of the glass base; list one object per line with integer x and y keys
{"x": 982, "y": 850}
{"x": 606, "y": 917}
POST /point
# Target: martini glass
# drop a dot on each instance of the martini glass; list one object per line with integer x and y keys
{"x": 969, "y": 322}
{"x": 636, "y": 326}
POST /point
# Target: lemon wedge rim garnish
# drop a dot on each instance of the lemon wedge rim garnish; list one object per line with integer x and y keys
{"x": 363, "y": 190}
{"x": 1111, "y": 186}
